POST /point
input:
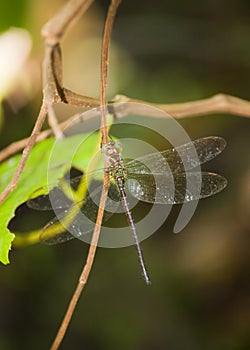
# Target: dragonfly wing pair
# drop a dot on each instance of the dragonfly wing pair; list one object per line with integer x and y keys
{"x": 155, "y": 178}
{"x": 162, "y": 177}
{"x": 73, "y": 219}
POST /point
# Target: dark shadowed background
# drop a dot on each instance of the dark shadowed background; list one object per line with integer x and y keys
{"x": 162, "y": 51}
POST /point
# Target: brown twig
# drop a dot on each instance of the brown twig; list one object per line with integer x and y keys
{"x": 104, "y": 65}
{"x": 26, "y": 152}
{"x": 17, "y": 146}
{"x": 92, "y": 250}
{"x": 217, "y": 104}
{"x": 85, "y": 272}
{"x": 53, "y": 123}
{"x": 54, "y": 29}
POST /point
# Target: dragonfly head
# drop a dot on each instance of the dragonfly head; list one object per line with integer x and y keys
{"x": 112, "y": 148}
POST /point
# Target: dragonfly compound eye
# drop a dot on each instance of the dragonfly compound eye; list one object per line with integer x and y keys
{"x": 118, "y": 147}
{"x": 112, "y": 148}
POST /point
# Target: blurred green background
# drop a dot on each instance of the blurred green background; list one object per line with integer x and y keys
{"x": 200, "y": 294}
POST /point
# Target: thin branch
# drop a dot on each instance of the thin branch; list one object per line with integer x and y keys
{"x": 75, "y": 99}
{"x": 26, "y": 152}
{"x": 55, "y": 28}
{"x": 104, "y": 65}
{"x": 17, "y": 146}
{"x": 85, "y": 272}
{"x": 219, "y": 103}
{"x": 53, "y": 123}
{"x": 92, "y": 250}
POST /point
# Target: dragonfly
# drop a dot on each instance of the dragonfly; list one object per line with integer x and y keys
{"x": 148, "y": 178}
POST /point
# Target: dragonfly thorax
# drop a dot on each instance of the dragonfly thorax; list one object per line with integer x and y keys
{"x": 116, "y": 164}
{"x": 117, "y": 170}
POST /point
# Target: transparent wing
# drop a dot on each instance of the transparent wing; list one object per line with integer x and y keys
{"x": 59, "y": 195}
{"x": 155, "y": 189}
{"x": 79, "y": 219}
{"x": 44, "y": 202}
{"x": 207, "y": 148}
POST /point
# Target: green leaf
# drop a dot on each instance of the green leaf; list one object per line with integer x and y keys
{"x": 47, "y": 164}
